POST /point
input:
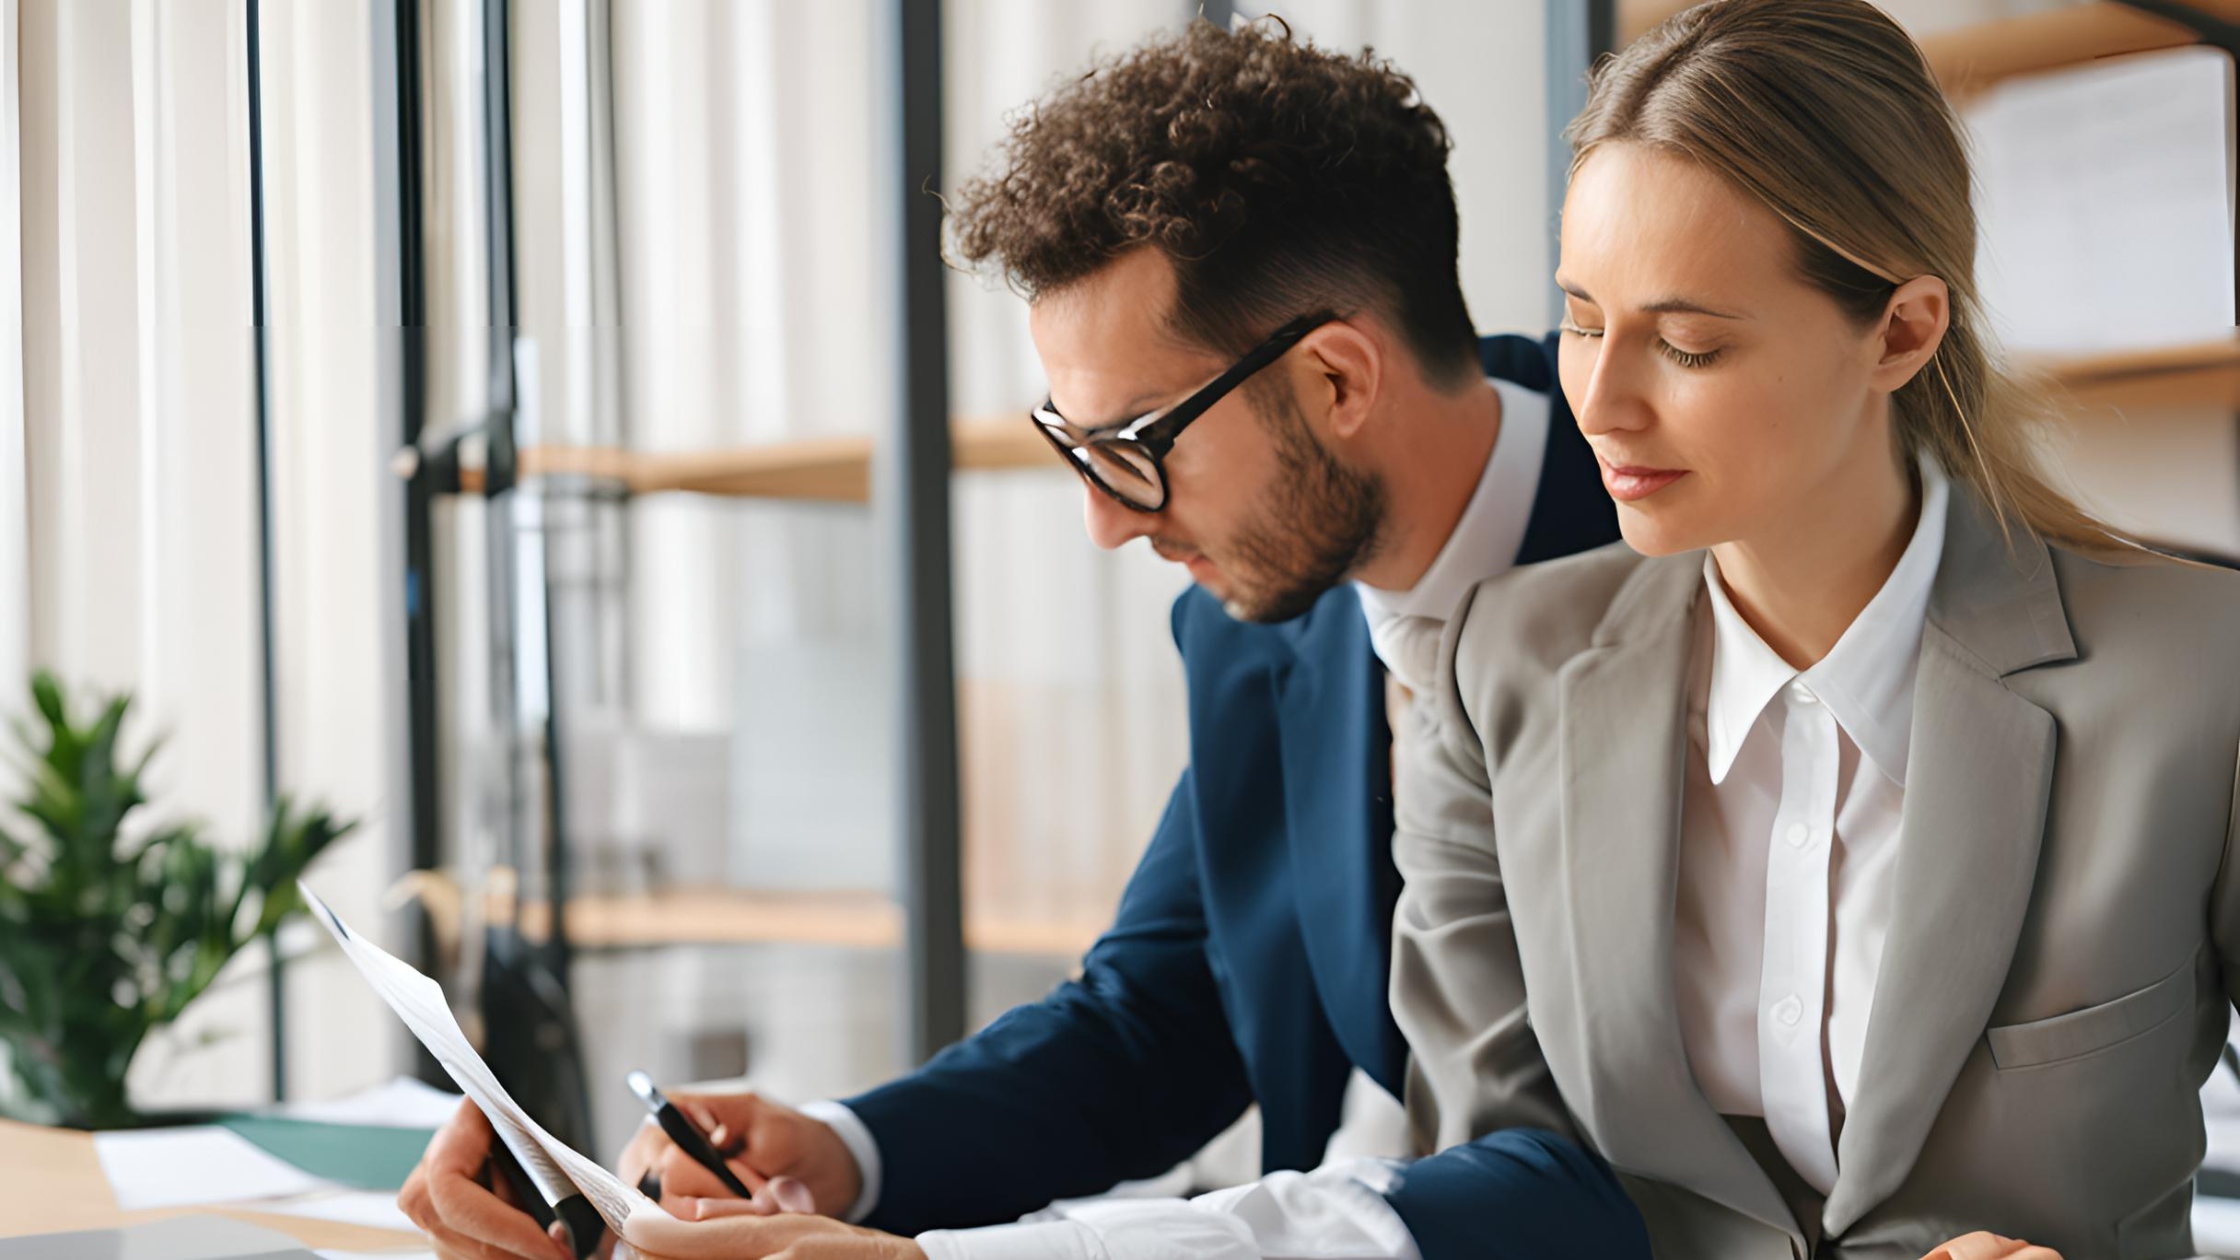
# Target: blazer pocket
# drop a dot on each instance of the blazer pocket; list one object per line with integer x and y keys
{"x": 2079, "y": 1033}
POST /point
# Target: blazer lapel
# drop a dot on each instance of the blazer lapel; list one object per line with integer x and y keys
{"x": 1978, "y": 777}
{"x": 1337, "y": 786}
{"x": 1624, "y": 758}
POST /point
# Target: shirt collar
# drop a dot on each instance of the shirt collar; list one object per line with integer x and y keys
{"x": 1485, "y": 541}
{"x": 1866, "y": 679}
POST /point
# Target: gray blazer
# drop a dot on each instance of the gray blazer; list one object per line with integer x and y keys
{"x": 2052, "y": 995}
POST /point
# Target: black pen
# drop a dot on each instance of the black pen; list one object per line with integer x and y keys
{"x": 685, "y": 1133}
{"x": 576, "y": 1215}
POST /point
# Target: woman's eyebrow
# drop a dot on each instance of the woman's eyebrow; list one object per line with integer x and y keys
{"x": 1681, "y": 305}
{"x": 1662, "y": 306}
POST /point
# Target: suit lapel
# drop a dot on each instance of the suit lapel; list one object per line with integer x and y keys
{"x": 1338, "y": 811}
{"x": 1978, "y": 776}
{"x": 1624, "y": 750}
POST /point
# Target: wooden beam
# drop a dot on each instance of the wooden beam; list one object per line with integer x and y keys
{"x": 1973, "y": 57}
{"x": 730, "y": 916}
{"x": 830, "y": 470}
{"x": 2204, "y": 374}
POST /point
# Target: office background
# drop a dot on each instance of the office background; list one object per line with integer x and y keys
{"x": 691, "y": 208}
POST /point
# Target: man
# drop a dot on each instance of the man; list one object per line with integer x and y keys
{"x": 1240, "y": 254}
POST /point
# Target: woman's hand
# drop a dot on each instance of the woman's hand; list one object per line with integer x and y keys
{"x": 736, "y": 1229}
{"x": 1985, "y": 1246}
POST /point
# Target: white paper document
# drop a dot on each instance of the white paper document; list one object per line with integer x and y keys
{"x": 558, "y": 1170}
{"x": 2107, "y": 204}
{"x": 154, "y": 1168}
{"x": 402, "y": 1103}
{"x": 375, "y": 1209}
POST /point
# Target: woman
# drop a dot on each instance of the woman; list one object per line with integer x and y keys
{"x": 1861, "y": 832}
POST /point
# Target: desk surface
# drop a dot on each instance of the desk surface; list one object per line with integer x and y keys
{"x": 54, "y": 1183}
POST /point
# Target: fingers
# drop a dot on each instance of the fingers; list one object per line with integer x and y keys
{"x": 461, "y": 1206}
{"x": 643, "y": 1153}
{"x": 729, "y": 1120}
{"x": 1984, "y": 1245}
{"x": 735, "y": 1236}
{"x": 710, "y": 1209}
{"x": 460, "y": 1146}
{"x": 682, "y": 1177}
{"x": 790, "y": 1194}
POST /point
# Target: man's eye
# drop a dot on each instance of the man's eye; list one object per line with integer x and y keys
{"x": 1577, "y": 331}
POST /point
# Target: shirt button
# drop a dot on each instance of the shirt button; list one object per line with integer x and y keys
{"x": 1798, "y": 833}
{"x": 1789, "y": 1011}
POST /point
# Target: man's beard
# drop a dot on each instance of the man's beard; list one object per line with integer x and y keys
{"x": 1320, "y": 522}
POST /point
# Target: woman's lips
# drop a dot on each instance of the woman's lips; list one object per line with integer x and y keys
{"x": 1628, "y": 483}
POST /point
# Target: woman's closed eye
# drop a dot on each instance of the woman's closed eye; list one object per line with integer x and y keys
{"x": 1685, "y": 358}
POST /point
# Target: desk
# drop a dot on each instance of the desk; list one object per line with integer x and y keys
{"x": 54, "y": 1182}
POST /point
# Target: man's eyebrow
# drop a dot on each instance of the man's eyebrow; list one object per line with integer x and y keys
{"x": 1662, "y": 306}
{"x": 1135, "y": 408}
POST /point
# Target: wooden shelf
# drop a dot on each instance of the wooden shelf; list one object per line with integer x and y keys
{"x": 838, "y": 470}
{"x": 1974, "y": 57}
{"x": 2204, "y": 375}
{"x": 844, "y": 920}
{"x": 829, "y": 470}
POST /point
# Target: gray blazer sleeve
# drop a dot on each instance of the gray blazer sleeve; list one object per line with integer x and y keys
{"x": 1457, "y": 984}
{"x": 2224, "y": 925}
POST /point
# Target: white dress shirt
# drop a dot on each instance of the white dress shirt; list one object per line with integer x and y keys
{"x": 1338, "y": 1211}
{"x": 1404, "y": 626}
{"x": 1789, "y": 839}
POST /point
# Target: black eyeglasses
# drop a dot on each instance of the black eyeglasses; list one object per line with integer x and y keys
{"x": 1128, "y": 460}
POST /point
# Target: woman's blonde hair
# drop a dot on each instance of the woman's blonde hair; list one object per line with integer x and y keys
{"x": 1827, "y": 112}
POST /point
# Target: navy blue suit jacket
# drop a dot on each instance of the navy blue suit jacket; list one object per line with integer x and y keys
{"x": 1249, "y": 960}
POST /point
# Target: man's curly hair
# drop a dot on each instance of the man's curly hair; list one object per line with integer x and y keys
{"x": 1277, "y": 177}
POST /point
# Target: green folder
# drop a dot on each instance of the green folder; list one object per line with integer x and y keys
{"x": 361, "y": 1156}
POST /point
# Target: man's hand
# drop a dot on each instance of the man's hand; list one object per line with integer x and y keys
{"x": 735, "y": 1229}
{"x": 450, "y": 1196}
{"x": 761, "y": 1141}
{"x": 1983, "y": 1246}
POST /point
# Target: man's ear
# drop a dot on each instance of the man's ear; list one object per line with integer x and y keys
{"x": 1347, "y": 364}
{"x": 1913, "y": 324}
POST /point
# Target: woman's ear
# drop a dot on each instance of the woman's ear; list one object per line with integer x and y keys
{"x": 1913, "y": 325}
{"x": 1348, "y": 366}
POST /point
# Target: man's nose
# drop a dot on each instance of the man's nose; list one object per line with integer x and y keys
{"x": 1110, "y": 524}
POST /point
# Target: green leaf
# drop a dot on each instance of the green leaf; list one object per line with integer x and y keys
{"x": 101, "y": 939}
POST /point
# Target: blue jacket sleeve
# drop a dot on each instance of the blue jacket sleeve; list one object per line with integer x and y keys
{"x": 1121, "y": 1074}
{"x": 1518, "y": 1194}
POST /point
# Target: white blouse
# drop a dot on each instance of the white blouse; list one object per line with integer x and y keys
{"x": 1789, "y": 839}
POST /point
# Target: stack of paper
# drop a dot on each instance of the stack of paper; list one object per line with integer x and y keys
{"x": 198, "y": 1164}
{"x": 557, "y": 1170}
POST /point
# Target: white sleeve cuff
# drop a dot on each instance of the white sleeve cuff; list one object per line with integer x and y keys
{"x": 1038, "y": 1240}
{"x": 856, "y": 1136}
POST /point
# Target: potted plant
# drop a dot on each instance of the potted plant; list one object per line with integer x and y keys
{"x": 110, "y": 926}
